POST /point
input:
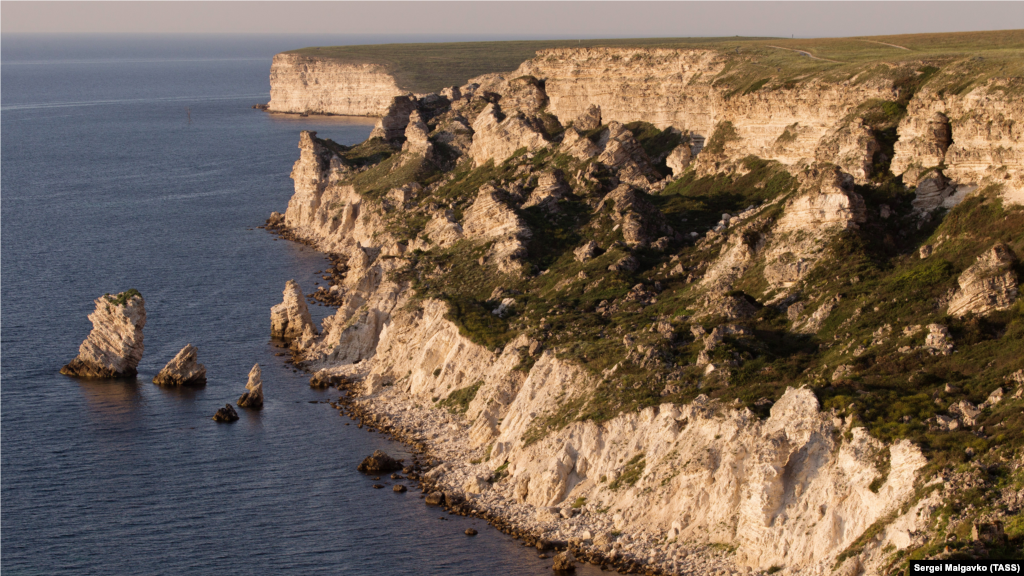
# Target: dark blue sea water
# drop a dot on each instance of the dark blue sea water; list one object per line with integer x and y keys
{"x": 108, "y": 185}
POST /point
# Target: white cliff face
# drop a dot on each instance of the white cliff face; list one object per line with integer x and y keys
{"x": 785, "y": 491}
{"x": 290, "y": 318}
{"x": 114, "y": 346}
{"x": 796, "y": 489}
{"x": 304, "y": 84}
{"x": 183, "y": 370}
{"x": 976, "y": 137}
{"x": 675, "y": 89}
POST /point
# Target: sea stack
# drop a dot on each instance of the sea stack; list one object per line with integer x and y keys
{"x": 290, "y": 318}
{"x": 183, "y": 370}
{"x": 114, "y": 347}
{"x": 254, "y": 397}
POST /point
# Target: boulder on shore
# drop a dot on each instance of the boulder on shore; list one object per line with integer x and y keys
{"x": 253, "y": 398}
{"x": 290, "y": 318}
{"x": 114, "y": 347}
{"x": 379, "y": 462}
{"x": 183, "y": 370}
{"x": 564, "y": 562}
{"x": 225, "y": 414}
{"x": 324, "y": 379}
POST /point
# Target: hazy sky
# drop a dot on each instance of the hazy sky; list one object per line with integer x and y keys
{"x": 514, "y": 19}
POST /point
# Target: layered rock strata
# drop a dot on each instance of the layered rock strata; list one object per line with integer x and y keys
{"x": 183, "y": 370}
{"x": 971, "y": 139}
{"x": 990, "y": 284}
{"x": 311, "y": 85}
{"x": 114, "y": 346}
{"x": 791, "y": 495}
{"x": 796, "y": 487}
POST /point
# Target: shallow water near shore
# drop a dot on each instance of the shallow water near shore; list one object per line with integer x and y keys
{"x": 148, "y": 169}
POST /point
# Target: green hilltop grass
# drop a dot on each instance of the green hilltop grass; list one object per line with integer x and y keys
{"x": 429, "y": 67}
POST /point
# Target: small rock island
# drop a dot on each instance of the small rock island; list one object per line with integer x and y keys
{"x": 114, "y": 347}
{"x": 253, "y": 398}
{"x": 183, "y": 370}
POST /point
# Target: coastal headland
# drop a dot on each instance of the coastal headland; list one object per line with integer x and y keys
{"x": 684, "y": 305}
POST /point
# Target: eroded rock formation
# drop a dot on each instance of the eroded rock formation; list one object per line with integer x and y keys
{"x": 114, "y": 346}
{"x": 290, "y": 318}
{"x": 793, "y": 485}
{"x": 183, "y": 370}
{"x": 253, "y": 397}
{"x": 990, "y": 284}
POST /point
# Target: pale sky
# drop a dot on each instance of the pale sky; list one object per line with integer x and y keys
{"x": 514, "y": 19}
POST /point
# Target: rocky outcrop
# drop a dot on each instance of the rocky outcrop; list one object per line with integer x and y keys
{"x": 677, "y": 88}
{"x": 395, "y": 119}
{"x": 794, "y": 487}
{"x": 183, "y": 370}
{"x": 826, "y": 205}
{"x": 588, "y": 120}
{"x": 640, "y": 222}
{"x": 379, "y": 461}
{"x": 782, "y": 490}
{"x": 311, "y": 85}
{"x": 489, "y": 218}
{"x": 114, "y": 346}
{"x": 290, "y": 318}
{"x": 416, "y": 134}
{"x": 225, "y": 414}
{"x": 852, "y": 147}
{"x": 496, "y": 136}
{"x": 679, "y": 159}
{"x": 990, "y": 284}
{"x": 253, "y": 397}
{"x": 971, "y": 140}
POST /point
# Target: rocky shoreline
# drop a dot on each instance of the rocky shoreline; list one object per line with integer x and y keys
{"x": 676, "y": 348}
{"x": 581, "y": 531}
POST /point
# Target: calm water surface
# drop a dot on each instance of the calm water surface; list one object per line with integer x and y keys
{"x": 107, "y": 185}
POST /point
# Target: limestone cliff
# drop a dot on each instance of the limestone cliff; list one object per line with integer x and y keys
{"x": 662, "y": 344}
{"x": 114, "y": 346}
{"x": 784, "y": 490}
{"x": 971, "y": 140}
{"x": 310, "y": 85}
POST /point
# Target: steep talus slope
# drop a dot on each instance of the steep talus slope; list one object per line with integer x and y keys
{"x": 772, "y": 352}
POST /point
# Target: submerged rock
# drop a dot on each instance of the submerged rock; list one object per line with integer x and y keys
{"x": 183, "y": 370}
{"x": 114, "y": 347}
{"x": 225, "y": 414}
{"x": 254, "y": 397}
{"x": 290, "y": 318}
{"x": 379, "y": 462}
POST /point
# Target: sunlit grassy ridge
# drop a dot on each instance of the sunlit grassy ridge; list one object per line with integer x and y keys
{"x": 429, "y": 67}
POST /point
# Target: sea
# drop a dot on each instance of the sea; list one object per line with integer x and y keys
{"x": 138, "y": 162}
